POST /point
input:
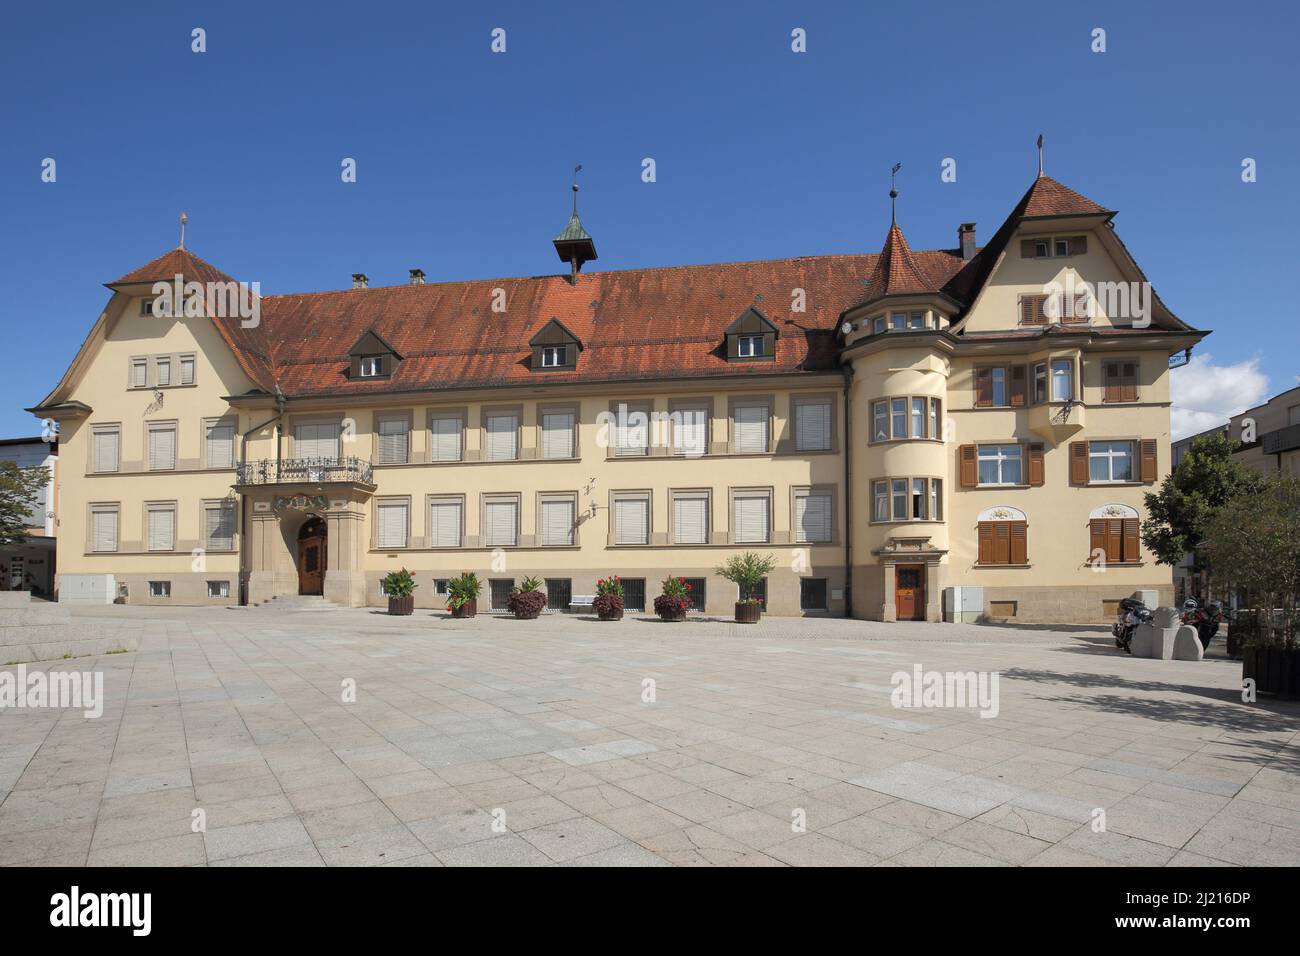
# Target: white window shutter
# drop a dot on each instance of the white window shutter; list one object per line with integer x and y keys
{"x": 691, "y": 519}
{"x": 751, "y": 519}
{"x": 392, "y": 524}
{"x": 751, "y": 429}
{"x": 444, "y": 524}
{"x": 139, "y": 374}
{"x": 692, "y": 432}
{"x": 502, "y": 437}
{"x": 162, "y": 448}
{"x": 631, "y": 521}
{"x": 812, "y": 517}
{"x": 105, "y": 531}
{"x": 557, "y": 522}
{"x": 219, "y": 527}
{"x": 317, "y": 441}
{"x": 446, "y": 432}
{"x": 557, "y": 435}
{"x": 501, "y": 522}
{"x": 162, "y": 529}
{"x": 812, "y": 426}
{"x": 221, "y": 445}
{"x": 106, "y": 450}
{"x": 392, "y": 441}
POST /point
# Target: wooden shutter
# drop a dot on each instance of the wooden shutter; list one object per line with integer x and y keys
{"x": 392, "y": 441}
{"x": 1129, "y": 389}
{"x": 557, "y": 435}
{"x": 983, "y": 387}
{"x": 1019, "y": 385}
{"x": 162, "y": 529}
{"x": 631, "y": 521}
{"x": 751, "y": 429}
{"x": 1035, "y": 464}
{"x": 812, "y": 517}
{"x": 556, "y": 522}
{"x": 1033, "y": 310}
{"x": 445, "y": 432}
{"x": 1097, "y": 540}
{"x": 162, "y": 448}
{"x": 1132, "y": 540}
{"x": 1078, "y": 462}
{"x": 444, "y": 524}
{"x": 1110, "y": 383}
{"x": 690, "y": 432}
{"x": 1078, "y": 245}
{"x": 1027, "y": 249}
{"x": 1149, "y": 472}
{"x": 219, "y": 527}
{"x": 968, "y": 464}
{"x": 500, "y": 523}
{"x": 105, "y": 531}
{"x": 502, "y": 437}
{"x": 221, "y": 445}
{"x": 987, "y": 543}
{"x": 812, "y": 426}
{"x": 106, "y": 449}
{"x": 1002, "y": 542}
{"x": 750, "y": 525}
{"x": 1019, "y": 531}
{"x": 691, "y": 519}
{"x": 1114, "y": 541}
{"x": 392, "y": 524}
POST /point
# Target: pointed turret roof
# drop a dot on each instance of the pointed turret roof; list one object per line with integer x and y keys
{"x": 166, "y": 267}
{"x": 1047, "y": 197}
{"x": 896, "y": 271}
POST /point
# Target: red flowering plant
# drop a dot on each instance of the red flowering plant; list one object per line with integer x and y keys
{"x": 675, "y": 599}
{"x": 609, "y": 597}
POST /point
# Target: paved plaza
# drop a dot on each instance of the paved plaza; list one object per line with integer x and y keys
{"x": 567, "y": 741}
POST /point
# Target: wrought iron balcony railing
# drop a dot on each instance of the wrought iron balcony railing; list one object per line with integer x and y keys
{"x": 287, "y": 471}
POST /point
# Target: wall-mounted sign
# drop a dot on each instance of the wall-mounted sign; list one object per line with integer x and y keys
{"x": 301, "y": 503}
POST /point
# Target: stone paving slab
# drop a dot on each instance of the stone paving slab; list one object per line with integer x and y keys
{"x": 495, "y": 742}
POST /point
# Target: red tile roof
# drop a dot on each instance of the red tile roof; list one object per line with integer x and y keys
{"x": 896, "y": 271}
{"x": 1047, "y": 197}
{"x": 171, "y": 264}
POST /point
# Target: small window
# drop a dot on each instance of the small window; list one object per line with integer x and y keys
{"x": 812, "y": 594}
{"x": 499, "y": 590}
{"x": 1040, "y": 249}
{"x": 371, "y": 366}
{"x": 898, "y": 320}
{"x": 1061, "y": 247}
{"x": 1110, "y": 461}
{"x": 146, "y": 306}
{"x": 187, "y": 369}
{"x": 750, "y": 346}
{"x": 164, "y": 372}
{"x": 440, "y": 585}
{"x": 160, "y": 589}
{"x": 879, "y": 325}
{"x": 139, "y": 373}
{"x": 554, "y": 356}
{"x": 916, "y": 320}
{"x": 1000, "y": 465}
{"x": 634, "y": 594}
{"x": 812, "y": 426}
{"x": 1062, "y": 380}
{"x": 1040, "y": 383}
{"x": 218, "y": 589}
{"x": 559, "y": 592}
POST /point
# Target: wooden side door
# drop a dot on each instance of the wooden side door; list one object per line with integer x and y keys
{"x": 909, "y": 592}
{"x": 311, "y": 558}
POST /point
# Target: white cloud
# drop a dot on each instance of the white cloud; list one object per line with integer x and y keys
{"x": 1206, "y": 395}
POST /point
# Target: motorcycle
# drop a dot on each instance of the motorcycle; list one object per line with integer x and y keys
{"x": 1132, "y": 612}
{"x": 1206, "y": 618}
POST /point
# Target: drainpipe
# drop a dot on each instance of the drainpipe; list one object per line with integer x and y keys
{"x": 848, "y": 492}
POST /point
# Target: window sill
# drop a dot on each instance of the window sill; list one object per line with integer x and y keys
{"x": 1019, "y": 487}
{"x": 907, "y": 521}
{"x": 1003, "y": 566}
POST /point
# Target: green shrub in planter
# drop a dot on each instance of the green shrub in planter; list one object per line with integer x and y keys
{"x": 400, "y": 587}
{"x": 747, "y": 572}
{"x": 462, "y": 594}
{"x": 675, "y": 600}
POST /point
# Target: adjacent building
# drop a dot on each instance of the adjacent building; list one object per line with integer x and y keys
{"x": 888, "y": 425}
{"x": 30, "y": 566}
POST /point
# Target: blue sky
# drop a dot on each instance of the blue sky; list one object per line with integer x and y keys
{"x": 464, "y": 156}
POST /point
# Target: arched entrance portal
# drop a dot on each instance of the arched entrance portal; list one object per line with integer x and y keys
{"x": 311, "y": 556}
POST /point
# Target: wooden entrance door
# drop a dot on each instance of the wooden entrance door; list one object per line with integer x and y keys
{"x": 311, "y": 557}
{"x": 909, "y": 592}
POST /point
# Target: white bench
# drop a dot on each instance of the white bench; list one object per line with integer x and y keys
{"x": 581, "y": 601}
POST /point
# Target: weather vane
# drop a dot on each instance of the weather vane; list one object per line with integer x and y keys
{"x": 184, "y": 220}
{"x": 893, "y": 192}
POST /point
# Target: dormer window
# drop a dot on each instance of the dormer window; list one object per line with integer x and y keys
{"x": 371, "y": 366}
{"x": 1053, "y": 247}
{"x": 554, "y": 347}
{"x": 1061, "y": 247}
{"x": 751, "y": 338}
{"x": 750, "y": 346}
{"x": 372, "y": 357}
{"x": 554, "y": 356}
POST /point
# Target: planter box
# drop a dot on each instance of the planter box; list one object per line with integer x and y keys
{"x": 748, "y": 613}
{"x": 527, "y": 615}
{"x": 1275, "y": 670}
{"x": 672, "y": 615}
{"x": 610, "y": 615}
{"x": 468, "y": 609}
{"x": 402, "y": 605}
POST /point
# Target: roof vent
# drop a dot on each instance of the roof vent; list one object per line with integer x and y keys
{"x": 360, "y": 280}
{"x": 417, "y": 277}
{"x": 966, "y": 238}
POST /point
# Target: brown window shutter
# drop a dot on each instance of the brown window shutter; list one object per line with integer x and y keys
{"x": 1002, "y": 545}
{"x": 1027, "y": 249}
{"x": 1097, "y": 540}
{"x": 1129, "y": 377}
{"x": 1078, "y": 462}
{"x": 1019, "y": 542}
{"x": 987, "y": 548}
{"x": 983, "y": 387}
{"x": 1078, "y": 312}
{"x": 1132, "y": 541}
{"x": 1110, "y": 382}
{"x": 1114, "y": 541}
{"x": 1032, "y": 310}
{"x": 1148, "y": 460}
{"x": 1078, "y": 245}
{"x": 1019, "y": 386}
{"x": 968, "y": 466}
{"x": 1035, "y": 464}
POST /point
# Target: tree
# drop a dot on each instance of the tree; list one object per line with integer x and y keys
{"x": 747, "y": 571}
{"x": 20, "y": 491}
{"x": 1254, "y": 543}
{"x": 1179, "y": 515}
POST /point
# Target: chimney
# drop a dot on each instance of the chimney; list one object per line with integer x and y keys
{"x": 417, "y": 277}
{"x": 360, "y": 280}
{"x": 966, "y": 238}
